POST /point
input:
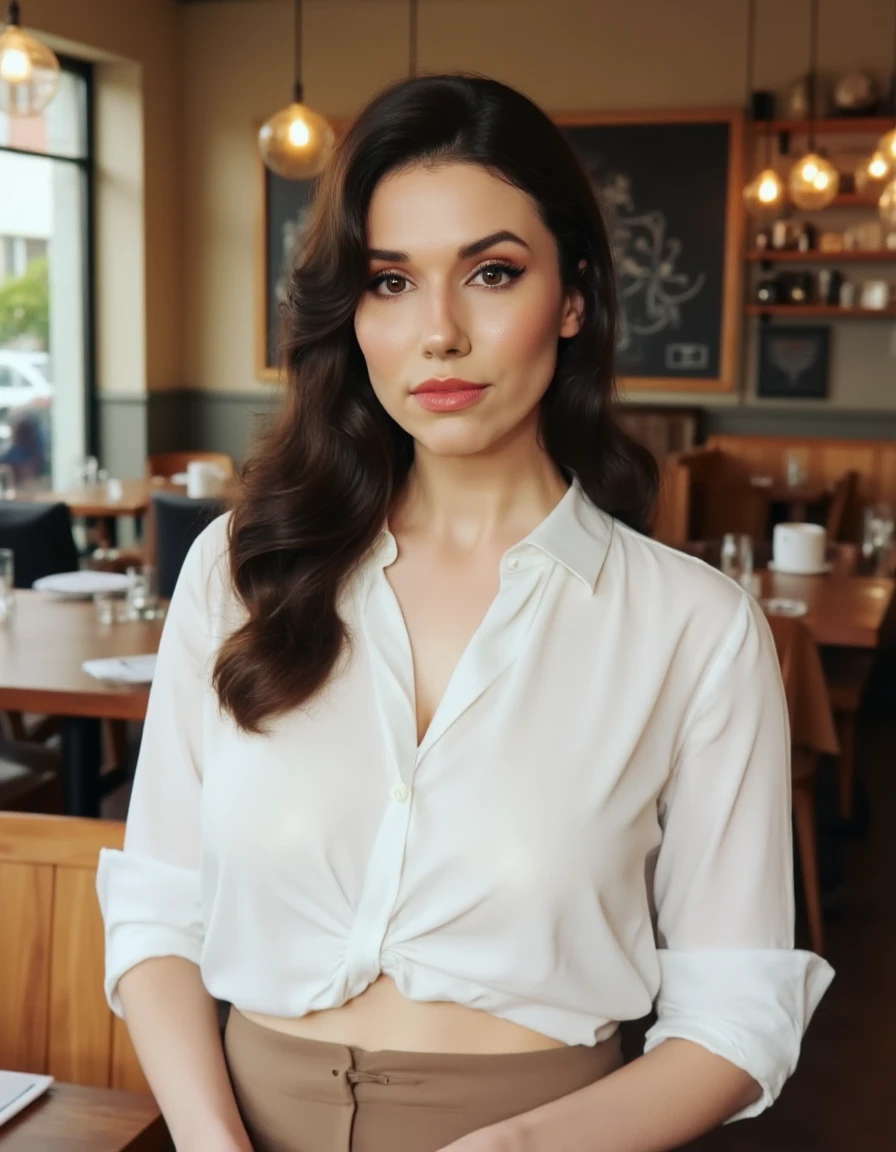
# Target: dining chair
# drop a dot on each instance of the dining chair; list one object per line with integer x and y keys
{"x": 40, "y": 536}
{"x": 813, "y": 734}
{"x": 29, "y": 778}
{"x": 177, "y": 521}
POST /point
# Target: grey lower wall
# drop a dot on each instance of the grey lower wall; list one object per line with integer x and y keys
{"x": 131, "y": 427}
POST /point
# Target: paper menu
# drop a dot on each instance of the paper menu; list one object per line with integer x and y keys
{"x": 18, "y": 1089}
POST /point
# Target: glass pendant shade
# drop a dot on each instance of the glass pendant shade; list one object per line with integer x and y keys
{"x": 886, "y": 146}
{"x": 872, "y": 177}
{"x": 295, "y": 142}
{"x": 764, "y": 195}
{"x": 888, "y": 204}
{"x": 29, "y": 70}
{"x": 813, "y": 182}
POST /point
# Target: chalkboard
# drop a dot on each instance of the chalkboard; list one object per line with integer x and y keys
{"x": 282, "y": 215}
{"x": 670, "y": 188}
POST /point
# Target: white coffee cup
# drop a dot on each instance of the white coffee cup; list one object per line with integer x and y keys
{"x": 204, "y": 479}
{"x": 799, "y": 548}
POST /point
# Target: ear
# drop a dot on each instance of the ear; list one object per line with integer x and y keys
{"x": 573, "y": 309}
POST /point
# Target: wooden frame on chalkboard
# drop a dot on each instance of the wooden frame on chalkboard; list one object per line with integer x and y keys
{"x": 731, "y": 280}
{"x": 266, "y": 365}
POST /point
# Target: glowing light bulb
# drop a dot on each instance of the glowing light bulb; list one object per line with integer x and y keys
{"x": 295, "y": 142}
{"x": 764, "y": 195}
{"x": 15, "y": 67}
{"x": 299, "y": 134}
{"x": 813, "y": 182}
{"x": 887, "y": 206}
{"x": 887, "y": 146}
{"x": 872, "y": 176}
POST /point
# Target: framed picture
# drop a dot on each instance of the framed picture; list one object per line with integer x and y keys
{"x": 793, "y": 361}
{"x": 281, "y": 216}
{"x": 670, "y": 186}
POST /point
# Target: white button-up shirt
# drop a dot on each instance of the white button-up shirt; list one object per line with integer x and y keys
{"x": 596, "y": 820}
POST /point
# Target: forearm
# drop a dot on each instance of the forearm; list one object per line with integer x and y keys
{"x": 173, "y": 1024}
{"x": 660, "y": 1101}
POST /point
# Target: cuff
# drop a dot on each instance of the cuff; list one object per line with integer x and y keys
{"x": 150, "y": 909}
{"x": 750, "y": 1007}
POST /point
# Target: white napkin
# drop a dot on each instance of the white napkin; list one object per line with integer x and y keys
{"x": 17, "y": 1090}
{"x": 123, "y": 669}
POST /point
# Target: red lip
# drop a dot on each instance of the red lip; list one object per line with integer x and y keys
{"x": 446, "y": 384}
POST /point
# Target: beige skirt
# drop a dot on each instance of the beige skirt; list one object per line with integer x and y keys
{"x": 298, "y": 1095}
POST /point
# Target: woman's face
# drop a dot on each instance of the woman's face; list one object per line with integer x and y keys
{"x": 464, "y": 295}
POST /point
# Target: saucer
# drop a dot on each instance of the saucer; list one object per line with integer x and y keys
{"x": 780, "y": 606}
{"x": 826, "y": 567}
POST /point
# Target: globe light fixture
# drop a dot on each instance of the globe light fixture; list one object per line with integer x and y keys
{"x": 764, "y": 194}
{"x": 873, "y": 175}
{"x": 888, "y": 205}
{"x": 29, "y": 70}
{"x": 813, "y": 181}
{"x": 296, "y": 141}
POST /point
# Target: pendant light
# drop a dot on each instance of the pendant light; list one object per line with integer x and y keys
{"x": 29, "y": 70}
{"x": 813, "y": 181}
{"x": 886, "y": 148}
{"x": 764, "y": 195}
{"x": 296, "y": 141}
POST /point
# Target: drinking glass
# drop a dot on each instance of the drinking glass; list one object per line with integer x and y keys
{"x": 7, "y": 583}
{"x": 142, "y": 594}
{"x": 7, "y": 482}
{"x": 877, "y": 536}
{"x": 737, "y": 557}
{"x": 107, "y": 605}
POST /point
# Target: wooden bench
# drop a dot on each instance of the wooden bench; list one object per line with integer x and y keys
{"x": 53, "y": 1014}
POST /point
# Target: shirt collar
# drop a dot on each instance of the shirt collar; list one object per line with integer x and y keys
{"x": 576, "y": 534}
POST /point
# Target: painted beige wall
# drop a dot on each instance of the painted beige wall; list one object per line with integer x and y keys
{"x": 566, "y": 54}
{"x": 139, "y": 192}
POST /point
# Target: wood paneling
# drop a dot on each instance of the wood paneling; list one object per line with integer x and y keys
{"x": 26, "y": 901}
{"x": 53, "y": 1013}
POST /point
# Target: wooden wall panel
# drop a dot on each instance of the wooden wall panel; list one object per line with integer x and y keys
{"x": 26, "y": 901}
{"x": 80, "y": 1044}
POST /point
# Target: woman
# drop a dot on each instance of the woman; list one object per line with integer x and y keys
{"x": 448, "y": 769}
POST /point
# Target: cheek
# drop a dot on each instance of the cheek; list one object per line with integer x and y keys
{"x": 382, "y": 339}
{"x": 525, "y": 334}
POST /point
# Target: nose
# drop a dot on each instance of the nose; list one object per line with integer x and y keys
{"x": 445, "y": 333}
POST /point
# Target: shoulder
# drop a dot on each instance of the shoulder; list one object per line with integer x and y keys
{"x": 205, "y": 576}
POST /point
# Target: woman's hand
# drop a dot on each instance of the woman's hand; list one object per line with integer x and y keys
{"x": 502, "y": 1137}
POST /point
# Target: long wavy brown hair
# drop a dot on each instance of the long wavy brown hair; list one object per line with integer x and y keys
{"x": 319, "y": 484}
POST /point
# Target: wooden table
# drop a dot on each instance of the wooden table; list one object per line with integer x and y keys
{"x": 94, "y": 500}
{"x": 844, "y": 611}
{"x": 42, "y": 649}
{"x": 70, "y": 1118}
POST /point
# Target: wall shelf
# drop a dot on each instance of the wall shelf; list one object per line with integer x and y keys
{"x": 841, "y": 126}
{"x": 819, "y": 310}
{"x": 792, "y": 256}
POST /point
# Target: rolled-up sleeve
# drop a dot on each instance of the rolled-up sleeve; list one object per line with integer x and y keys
{"x": 730, "y": 979}
{"x": 149, "y": 893}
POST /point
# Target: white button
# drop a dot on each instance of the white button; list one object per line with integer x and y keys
{"x": 400, "y": 793}
{"x": 513, "y": 564}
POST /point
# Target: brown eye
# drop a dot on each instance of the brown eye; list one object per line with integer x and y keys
{"x": 394, "y": 284}
{"x": 492, "y": 276}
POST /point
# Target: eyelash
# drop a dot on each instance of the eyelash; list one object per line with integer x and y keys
{"x": 513, "y": 271}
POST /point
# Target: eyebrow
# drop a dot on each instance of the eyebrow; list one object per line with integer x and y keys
{"x": 464, "y": 253}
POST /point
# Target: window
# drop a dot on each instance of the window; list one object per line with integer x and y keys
{"x": 46, "y": 306}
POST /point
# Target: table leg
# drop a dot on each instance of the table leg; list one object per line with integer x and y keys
{"x": 82, "y": 748}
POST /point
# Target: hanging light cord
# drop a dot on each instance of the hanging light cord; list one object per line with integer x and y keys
{"x": 893, "y": 67}
{"x": 12, "y": 13}
{"x": 412, "y": 39}
{"x": 813, "y": 71}
{"x": 298, "y": 90}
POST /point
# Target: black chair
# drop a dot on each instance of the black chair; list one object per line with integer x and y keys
{"x": 40, "y": 536}
{"x": 178, "y": 520}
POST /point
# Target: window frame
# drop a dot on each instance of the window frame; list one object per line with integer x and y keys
{"x": 84, "y": 70}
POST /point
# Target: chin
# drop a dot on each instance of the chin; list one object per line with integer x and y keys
{"x": 456, "y": 441}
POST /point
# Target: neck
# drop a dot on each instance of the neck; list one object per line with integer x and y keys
{"x": 495, "y": 496}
